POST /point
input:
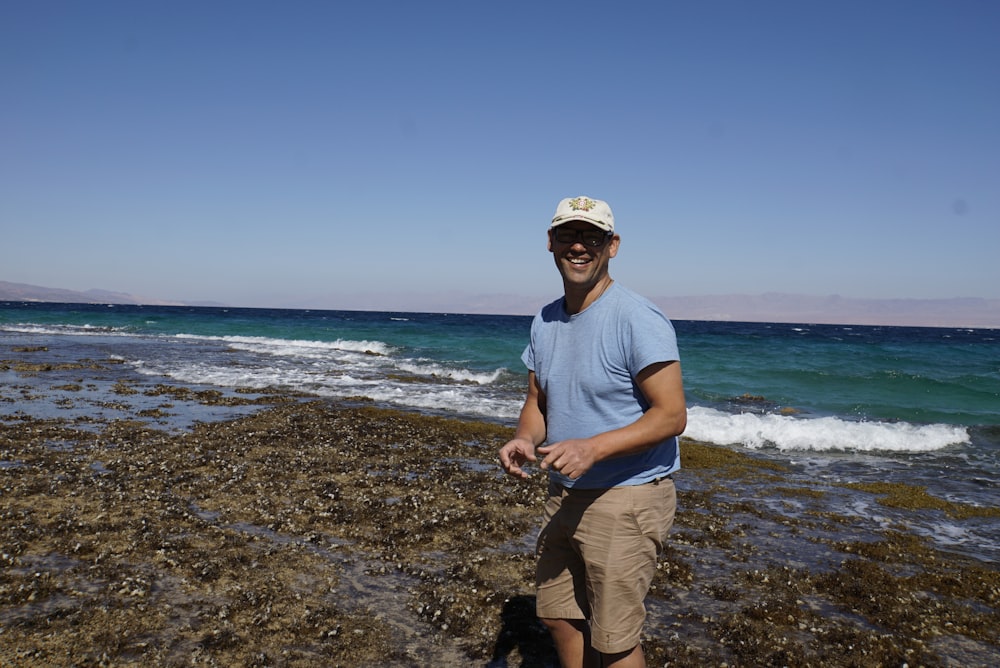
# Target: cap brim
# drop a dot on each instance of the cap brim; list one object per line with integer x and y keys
{"x": 600, "y": 224}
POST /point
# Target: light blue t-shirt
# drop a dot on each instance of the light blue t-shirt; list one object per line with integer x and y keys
{"x": 587, "y": 363}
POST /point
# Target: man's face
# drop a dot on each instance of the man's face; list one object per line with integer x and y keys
{"x": 579, "y": 262}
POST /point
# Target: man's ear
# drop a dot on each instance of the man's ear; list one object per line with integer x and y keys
{"x": 613, "y": 246}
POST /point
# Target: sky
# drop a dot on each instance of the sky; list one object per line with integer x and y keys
{"x": 335, "y": 154}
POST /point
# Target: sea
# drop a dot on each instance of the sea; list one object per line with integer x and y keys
{"x": 838, "y": 403}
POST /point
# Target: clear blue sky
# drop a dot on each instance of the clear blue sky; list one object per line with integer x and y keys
{"x": 278, "y": 153}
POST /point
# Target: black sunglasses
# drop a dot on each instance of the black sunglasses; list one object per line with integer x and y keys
{"x": 592, "y": 238}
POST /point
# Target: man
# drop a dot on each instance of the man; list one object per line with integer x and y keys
{"x": 605, "y": 397}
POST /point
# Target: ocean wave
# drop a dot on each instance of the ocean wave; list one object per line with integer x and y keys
{"x": 352, "y": 354}
{"x": 459, "y": 375}
{"x": 827, "y": 434}
{"x": 295, "y": 347}
{"x": 69, "y": 330}
{"x": 462, "y": 395}
{"x": 453, "y": 400}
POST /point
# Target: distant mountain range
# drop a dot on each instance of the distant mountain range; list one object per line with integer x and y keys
{"x": 35, "y": 293}
{"x": 769, "y": 307}
{"x": 836, "y": 310}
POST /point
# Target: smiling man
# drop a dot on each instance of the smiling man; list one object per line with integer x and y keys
{"x": 604, "y": 407}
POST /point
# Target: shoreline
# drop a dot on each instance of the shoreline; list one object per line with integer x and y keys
{"x": 275, "y": 529}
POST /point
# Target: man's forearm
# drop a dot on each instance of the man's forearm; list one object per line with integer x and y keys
{"x": 655, "y": 426}
{"x": 531, "y": 426}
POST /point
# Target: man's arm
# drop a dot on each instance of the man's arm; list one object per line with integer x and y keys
{"x": 530, "y": 431}
{"x": 667, "y": 416}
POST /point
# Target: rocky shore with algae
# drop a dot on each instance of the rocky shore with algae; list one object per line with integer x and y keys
{"x": 159, "y": 524}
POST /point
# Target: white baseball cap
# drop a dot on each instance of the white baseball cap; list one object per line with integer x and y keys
{"x": 587, "y": 209}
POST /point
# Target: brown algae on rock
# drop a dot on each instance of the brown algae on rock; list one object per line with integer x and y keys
{"x": 313, "y": 534}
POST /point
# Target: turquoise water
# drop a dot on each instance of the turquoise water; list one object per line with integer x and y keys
{"x": 919, "y": 376}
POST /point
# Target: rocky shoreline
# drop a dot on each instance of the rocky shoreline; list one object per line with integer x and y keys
{"x": 299, "y": 532}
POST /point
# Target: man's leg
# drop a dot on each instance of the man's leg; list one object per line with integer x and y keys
{"x": 620, "y": 538}
{"x": 572, "y": 641}
{"x": 560, "y": 581}
{"x": 630, "y": 659}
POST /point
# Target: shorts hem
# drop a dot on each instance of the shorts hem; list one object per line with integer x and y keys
{"x": 557, "y": 613}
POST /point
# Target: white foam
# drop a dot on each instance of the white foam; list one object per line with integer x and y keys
{"x": 344, "y": 380}
{"x": 294, "y": 347}
{"x": 460, "y": 375}
{"x": 826, "y": 434}
{"x": 70, "y": 330}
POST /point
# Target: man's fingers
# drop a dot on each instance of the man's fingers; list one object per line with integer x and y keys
{"x": 546, "y": 451}
{"x": 513, "y": 457}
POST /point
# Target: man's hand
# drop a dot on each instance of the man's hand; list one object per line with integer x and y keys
{"x": 572, "y": 458}
{"x": 515, "y": 454}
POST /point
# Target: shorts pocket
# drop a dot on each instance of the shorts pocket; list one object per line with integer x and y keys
{"x": 654, "y": 507}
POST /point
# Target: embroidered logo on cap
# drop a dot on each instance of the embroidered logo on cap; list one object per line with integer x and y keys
{"x": 582, "y": 204}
